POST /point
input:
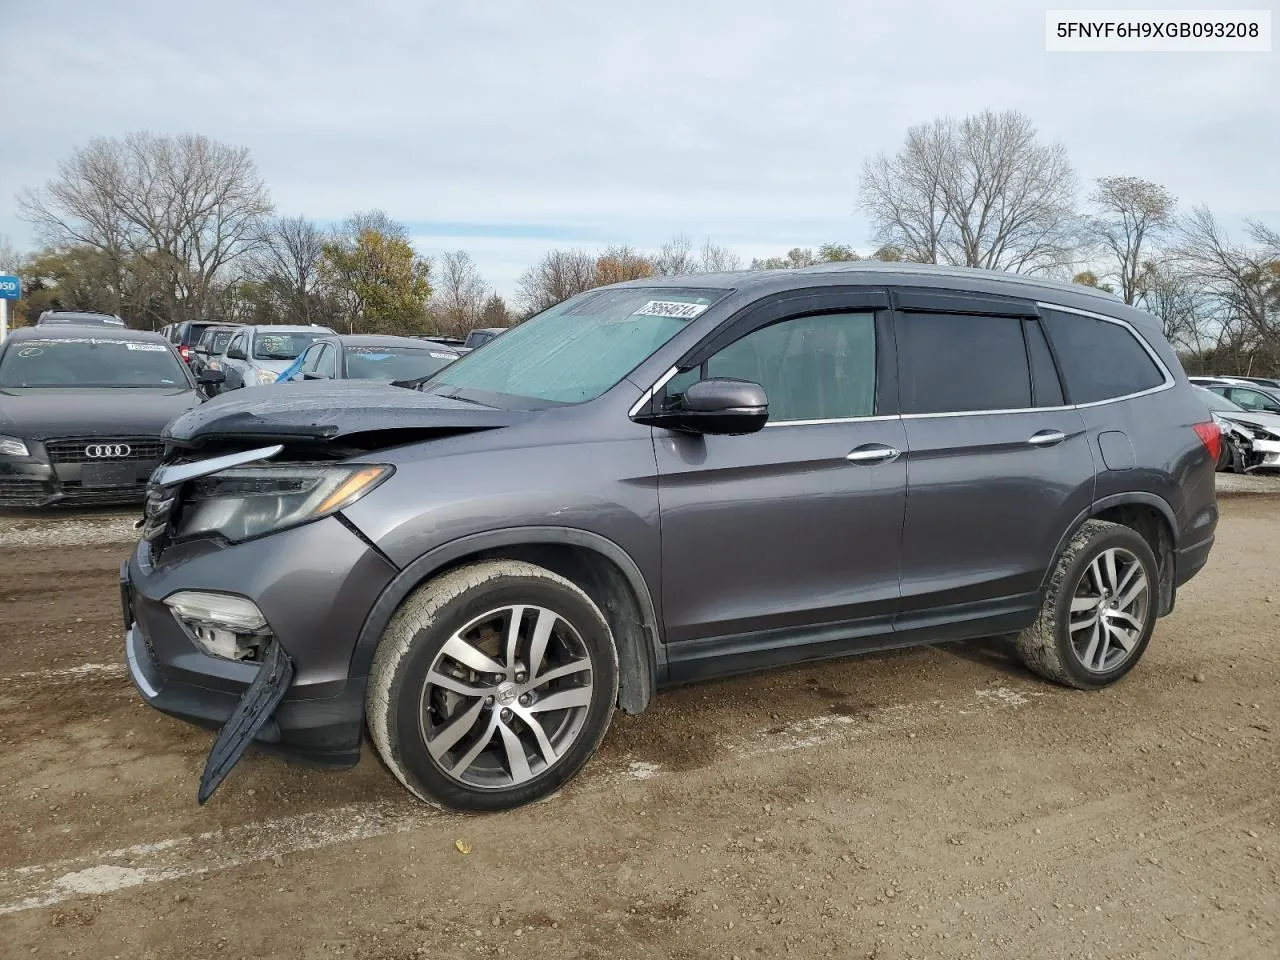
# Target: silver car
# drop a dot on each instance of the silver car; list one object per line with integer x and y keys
{"x": 256, "y": 355}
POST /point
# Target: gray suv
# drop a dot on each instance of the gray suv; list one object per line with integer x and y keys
{"x": 657, "y": 482}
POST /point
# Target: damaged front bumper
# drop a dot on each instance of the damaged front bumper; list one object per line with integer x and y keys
{"x": 1265, "y": 455}
{"x": 312, "y": 710}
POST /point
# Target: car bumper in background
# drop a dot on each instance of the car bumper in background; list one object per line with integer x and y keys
{"x": 30, "y": 482}
{"x": 1269, "y": 451}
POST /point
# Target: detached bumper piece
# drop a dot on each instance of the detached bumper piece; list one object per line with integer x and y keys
{"x": 250, "y": 715}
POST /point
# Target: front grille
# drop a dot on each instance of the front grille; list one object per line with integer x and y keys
{"x": 78, "y": 450}
{"x": 19, "y": 492}
{"x": 90, "y": 496}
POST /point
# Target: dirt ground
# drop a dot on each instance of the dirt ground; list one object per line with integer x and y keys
{"x": 940, "y": 802}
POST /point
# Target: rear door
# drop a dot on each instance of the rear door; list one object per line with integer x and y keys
{"x": 783, "y": 540}
{"x": 998, "y": 465}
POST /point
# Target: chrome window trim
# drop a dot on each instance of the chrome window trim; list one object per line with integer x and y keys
{"x": 649, "y": 394}
{"x": 812, "y": 423}
{"x": 1169, "y": 380}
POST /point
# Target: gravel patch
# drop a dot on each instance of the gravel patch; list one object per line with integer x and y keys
{"x": 1240, "y": 483}
{"x": 67, "y": 531}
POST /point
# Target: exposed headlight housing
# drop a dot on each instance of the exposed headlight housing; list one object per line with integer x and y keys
{"x": 222, "y": 625}
{"x": 13, "y": 447}
{"x": 266, "y": 377}
{"x": 246, "y": 502}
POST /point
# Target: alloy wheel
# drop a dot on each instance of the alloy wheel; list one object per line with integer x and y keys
{"x": 1109, "y": 610}
{"x": 506, "y": 697}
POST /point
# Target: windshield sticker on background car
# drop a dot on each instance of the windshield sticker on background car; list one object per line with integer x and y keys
{"x": 30, "y": 352}
{"x": 93, "y": 340}
{"x": 150, "y": 347}
{"x": 670, "y": 308}
{"x": 440, "y": 356}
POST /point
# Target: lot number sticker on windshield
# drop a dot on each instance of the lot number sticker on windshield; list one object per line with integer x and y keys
{"x": 670, "y": 308}
{"x": 149, "y": 347}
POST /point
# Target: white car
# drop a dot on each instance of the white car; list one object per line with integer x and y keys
{"x": 1254, "y": 433}
{"x": 257, "y": 354}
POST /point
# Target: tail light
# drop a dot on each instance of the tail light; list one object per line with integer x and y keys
{"x": 1210, "y": 435}
{"x": 185, "y": 352}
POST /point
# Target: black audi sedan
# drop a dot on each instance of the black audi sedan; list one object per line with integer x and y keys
{"x": 81, "y": 410}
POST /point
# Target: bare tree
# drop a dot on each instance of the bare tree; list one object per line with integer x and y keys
{"x": 1132, "y": 213}
{"x": 9, "y": 256}
{"x": 459, "y": 294}
{"x": 717, "y": 259}
{"x": 1245, "y": 278}
{"x": 978, "y": 192}
{"x": 559, "y": 275}
{"x": 288, "y": 267}
{"x": 675, "y": 257}
{"x": 185, "y": 207}
{"x": 1186, "y": 310}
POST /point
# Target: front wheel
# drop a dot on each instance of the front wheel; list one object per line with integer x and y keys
{"x": 1099, "y": 609}
{"x": 492, "y": 686}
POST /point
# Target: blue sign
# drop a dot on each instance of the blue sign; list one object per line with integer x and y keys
{"x": 10, "y": 288}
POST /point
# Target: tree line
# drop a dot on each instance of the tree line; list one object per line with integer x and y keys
{"x": 165, "y": 228}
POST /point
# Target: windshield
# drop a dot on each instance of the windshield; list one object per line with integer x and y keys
{"x": 90, "y": 362}
{"x": 1215, "y": 401}
{"x": 283, "y": 346}
{"x": 576, "y": 350}
{"x": 394, "y": 363}
{"x": 215, "y": 342}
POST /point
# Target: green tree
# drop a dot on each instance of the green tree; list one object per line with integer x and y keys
{"x": 836, "y": 253}
{"x": 382, "y": 285}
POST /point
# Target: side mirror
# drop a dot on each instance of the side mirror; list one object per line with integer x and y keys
{"x": 236, "y": 354}
{"x": 313, "y": 375}
{"x": 211, "y": 378}
{"x": 716, "y": 406}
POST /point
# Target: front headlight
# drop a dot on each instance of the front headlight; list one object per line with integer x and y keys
{"x": 266, "y": 377}
{"x": 13, "y": 447}
{"x": 247, "y": 502}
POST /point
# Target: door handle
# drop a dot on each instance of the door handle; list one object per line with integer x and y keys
{"x": 1046, "y": 438}
{"x": 873, "y": 453}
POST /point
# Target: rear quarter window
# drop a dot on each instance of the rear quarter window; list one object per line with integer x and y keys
{"x": 1100, "y": 360}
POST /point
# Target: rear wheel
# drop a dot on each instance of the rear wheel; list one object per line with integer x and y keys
{"x": 492, "y": 686}
{"x": 1099, "y": 610}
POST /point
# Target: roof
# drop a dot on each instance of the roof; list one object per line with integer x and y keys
{"x": 860, "y": 272}
{"x": 376, "y": 340}
{"x": 288, "y": 328}
{"x": 70, "y": 332}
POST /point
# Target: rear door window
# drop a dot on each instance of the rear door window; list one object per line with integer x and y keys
{"x": 1100, "y": 360}
{"x": 1253, "y": 400}
{"x": 953, "y": 363}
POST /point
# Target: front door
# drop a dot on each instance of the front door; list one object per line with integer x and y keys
{"x": 790, "y": 537}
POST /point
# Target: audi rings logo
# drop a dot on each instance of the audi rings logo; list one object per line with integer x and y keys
{"x": 107, "y": 451}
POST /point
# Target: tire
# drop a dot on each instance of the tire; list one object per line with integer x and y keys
{"x": 1092, "y": 653}
{"x": 452, "y": 730}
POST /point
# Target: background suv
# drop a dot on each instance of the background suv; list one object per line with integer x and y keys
{"x": 256, "y": 355}
{"x": 186, "y": 335}
{"x": 661, "y": 481}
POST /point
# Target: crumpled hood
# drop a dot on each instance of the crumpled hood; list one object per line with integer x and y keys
{"x": 40, "y": 413}
{"x": 332, "y": 409}
{"x": 1269, "y": 422}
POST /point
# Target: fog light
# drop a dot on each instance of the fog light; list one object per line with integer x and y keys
{"x": 222, "y": 625}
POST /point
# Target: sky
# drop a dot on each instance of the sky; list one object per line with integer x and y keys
{"x": 506, "y": 128}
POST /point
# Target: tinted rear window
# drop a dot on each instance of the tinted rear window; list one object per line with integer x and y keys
{"x": 952, "y": 364}
{"x": 1099, "y": 360}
